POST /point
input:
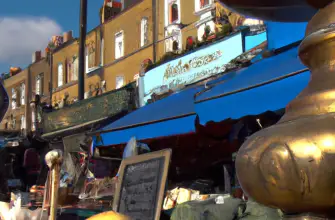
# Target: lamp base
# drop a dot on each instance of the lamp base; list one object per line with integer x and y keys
{"x": 307, "y": 216}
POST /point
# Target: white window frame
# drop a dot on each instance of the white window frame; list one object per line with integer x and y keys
{"x": 102, "y": 51}
{"x": 33, "y": 120}
{"x": 119, "y": 53}
{"x": 169, "y": 40}
{"x": 144, "y": 31}
{"x": 198, "y": 6}
{"x": 23, "y": 122}
{"x": 14, "y": 98}
{"x": 167, "y": 8}
{"x": 60, "y": 75}
{"x": 14, "y": 123}
{"x": 39, "y": 84}
{"x": 75, "y": 68}
{"x": 22, "y": 94}
{"x": 86, "y": 60}
{"x": 116, "y": 81}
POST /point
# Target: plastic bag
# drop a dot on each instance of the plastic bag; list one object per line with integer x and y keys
{"x": 130, "y": 149}
{"x": 134, "y": 148}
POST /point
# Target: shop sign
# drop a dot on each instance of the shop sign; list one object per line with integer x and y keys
{"x": 193, "y": 67}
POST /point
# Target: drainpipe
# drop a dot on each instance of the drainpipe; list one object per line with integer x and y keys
{"x": 82, "y": 40}
{"x": 154, "y": 30}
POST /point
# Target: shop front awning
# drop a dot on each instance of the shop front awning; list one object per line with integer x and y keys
{"x": 268, "y": 85}
{"x": 170, "y": 116}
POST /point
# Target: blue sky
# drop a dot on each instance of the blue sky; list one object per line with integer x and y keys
{"x": 26, "y": 26}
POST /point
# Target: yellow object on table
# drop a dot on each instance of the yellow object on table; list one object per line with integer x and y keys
{"x": 109, "y": 216}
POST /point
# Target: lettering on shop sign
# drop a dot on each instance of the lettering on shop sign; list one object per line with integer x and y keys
{"x": 196, "y": 62}
{"x": 141, "y": 188}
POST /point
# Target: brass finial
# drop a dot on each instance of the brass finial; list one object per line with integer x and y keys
{"x": 54, "y": 161}
{"x": 291, "y": 165}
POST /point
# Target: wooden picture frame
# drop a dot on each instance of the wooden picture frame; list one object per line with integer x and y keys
{"x": 163, "y": 157}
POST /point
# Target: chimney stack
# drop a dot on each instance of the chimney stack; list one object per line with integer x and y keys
{"x": 67, "y": 36}
{"x": 57, "y": 40}
{"x": 37, "y": 55}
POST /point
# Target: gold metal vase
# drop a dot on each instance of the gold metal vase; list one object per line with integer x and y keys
{"x": 291, "y": 165}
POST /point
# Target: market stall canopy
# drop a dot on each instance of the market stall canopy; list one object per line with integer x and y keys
{"x": 267, "y": 85}
{"x": 169, "y": 116}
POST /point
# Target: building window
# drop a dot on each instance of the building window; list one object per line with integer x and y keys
{"x": 200, "y": 4}
{"x": 14, "y": 97}
{"x": 144, "y": 31}
{"x": 60, "y": 74}
{"x": 119, "y": 45}
{"x": 204, "y": 3}
{"x": 39, "y": 84}
{"x": 173, "y": 40}
{"x": 90, "y": 56}
{"x": 23, "y": 122}
{"x": 102, "y": 46}
{"x": 33, "y": 120}
{"x": 22, "y": 94}
{"x": 13, "y": 123}
{"x": 173, "y": 12}
{"x": 119, "y": 81}
{"x": 72, "y": 69}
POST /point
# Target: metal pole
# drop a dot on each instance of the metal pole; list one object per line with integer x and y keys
{"x": 82, "y": 40}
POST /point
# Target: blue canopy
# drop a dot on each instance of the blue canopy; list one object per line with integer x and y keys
{"x": 170, "y": 116}
{"x": 269, "y": 84}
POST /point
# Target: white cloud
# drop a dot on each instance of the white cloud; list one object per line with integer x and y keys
{"x": 21, "y": 36}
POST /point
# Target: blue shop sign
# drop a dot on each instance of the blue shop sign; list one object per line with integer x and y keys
{"x": 193, "y": 67}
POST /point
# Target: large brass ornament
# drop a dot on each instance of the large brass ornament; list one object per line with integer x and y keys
{"x": 291, "y": 165}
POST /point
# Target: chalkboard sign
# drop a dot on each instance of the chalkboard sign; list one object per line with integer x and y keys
{"x": 140, "y": 191}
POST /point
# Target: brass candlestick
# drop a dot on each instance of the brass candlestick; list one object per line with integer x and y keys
{"x": 54, "y": 161}
{"x": 291, "y": 165}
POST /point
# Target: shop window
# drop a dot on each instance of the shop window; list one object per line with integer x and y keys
{"x": 119, "y": 81}
{"x": 119, "y": 45}
{"x": 144, "y": 31}
{"x": 174, "y": 13}
{"x": 60, "y": 75}
{"x": 14, "y": 97}
{"x": 39, "y": 84}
